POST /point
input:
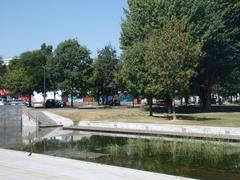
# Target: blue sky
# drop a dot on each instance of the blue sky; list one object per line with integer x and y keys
{"x": 26, "y": 24}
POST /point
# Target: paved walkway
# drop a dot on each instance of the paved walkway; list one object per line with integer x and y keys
{"x": 18, "y": 165}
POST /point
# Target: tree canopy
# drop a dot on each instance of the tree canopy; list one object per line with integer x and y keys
{"x": 103, "y": 78}
{"x": 215, "y": 23}
{"x": 26, "y": 73}
{"x": 72, "y": 68}
{"x": 3, "y": 70}
{"x": 171, "y": 58}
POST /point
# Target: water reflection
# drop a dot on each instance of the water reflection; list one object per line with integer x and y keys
{"x": 201, "y": 159}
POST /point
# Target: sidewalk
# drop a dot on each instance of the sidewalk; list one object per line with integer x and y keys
{"x": 18, "y": 165}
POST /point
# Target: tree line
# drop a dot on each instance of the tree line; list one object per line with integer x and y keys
{"x": 170, "y": 49}
{"x": 68, "y": 68}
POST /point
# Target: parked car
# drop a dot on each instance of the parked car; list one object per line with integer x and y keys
{"x": 114, "y": 102}
{"x": 59, "y": 103}
{"x": 51, "y": 103}
{"x": 38, "y": 104}
{"x": 2, "y": 102}
{"x": 213, "y": 101}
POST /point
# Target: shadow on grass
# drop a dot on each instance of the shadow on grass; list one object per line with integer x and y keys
{"x": 187, "y": 117}
{"x": 192, "y": 118}
{"x": 196, "y": 109}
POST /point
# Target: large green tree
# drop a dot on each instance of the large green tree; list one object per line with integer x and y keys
{"x": 231, "y": 85}
{"x": 216, "y": 23}
{"x": 104, "y": 73}
{"x": 18, "y": 82}
{"x": 28, "y": 65}
{"x": 26, "y": 72}
{"x": 133, "y": 71}
{"x": 3, "y": 70}
{"x": 72, "y": 68}
{"x": 171, "y": 58}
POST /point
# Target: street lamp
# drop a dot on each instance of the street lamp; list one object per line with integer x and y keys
{"x": 44, "y": 85}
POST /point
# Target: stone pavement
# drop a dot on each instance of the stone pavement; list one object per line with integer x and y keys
{"x": 18, "y": 165}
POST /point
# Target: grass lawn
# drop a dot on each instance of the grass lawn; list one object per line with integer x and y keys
{"x": 225, "y": 119}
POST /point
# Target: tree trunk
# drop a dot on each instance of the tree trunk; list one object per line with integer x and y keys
{"x": 30, "y": 100}
{"x": 103, "y": 99}
{"x": 186, "y": 100}
{"x": 169, "y": 106}
{"x": 150, "y": 102}
{"x": 98, "y": 100}
{"x": 173, "y": 109}
{"x": 205, "y": 96}
{"x": 71, "y": 101}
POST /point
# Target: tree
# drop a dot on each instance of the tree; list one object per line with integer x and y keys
{"x": 18, "y": 82}
{"x": 104, "y": 73}
{"x": 229, "y": 87}
{"x": 26, "y": 73}
{"x": 73, "y": 68}
{"x": 216, "y": 23}
{"x": 3, "y": 70}
{"x": 220, "y": 47}
{"x": 172, "y": 57}
{"x": 52, "y": 75}
{"x": 132, "y": 74}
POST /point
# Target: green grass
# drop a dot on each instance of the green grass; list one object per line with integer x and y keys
{"x": 223, "y": 116}
{"x": 225, "y": 119}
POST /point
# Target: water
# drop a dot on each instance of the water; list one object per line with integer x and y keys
{"x": 140, "y": 154}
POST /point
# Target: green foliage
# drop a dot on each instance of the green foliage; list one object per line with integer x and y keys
{"x": 172, "y": 57}
{"x": 133, "y": 70}
{"x": 72, "y": 67}
{"x": 17, "y": 81}
{"x": 215, "y": 23}
{"x": 230, "y": 86}
{"x": 26, "y": 73}
{"x": 103, "y": 78}
{"x": 3, "y": 70}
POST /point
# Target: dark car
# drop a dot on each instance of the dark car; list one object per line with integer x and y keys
{"x": 51, "y": 103}
{"x": 213, "y": 101}
{"x": 59, "y": 103}
{"x": 114, "y": 102}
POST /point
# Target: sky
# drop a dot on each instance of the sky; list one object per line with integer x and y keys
{"x": 26, "y": 24}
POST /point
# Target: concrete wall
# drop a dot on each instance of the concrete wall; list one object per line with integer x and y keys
{"x": 10, "y": 126}
{"x": 208, "y": 130}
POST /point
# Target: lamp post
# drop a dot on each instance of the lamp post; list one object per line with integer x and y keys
{"x": 44, "y": 85}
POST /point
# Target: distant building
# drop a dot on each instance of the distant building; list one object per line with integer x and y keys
{"x": 6, "y": 61}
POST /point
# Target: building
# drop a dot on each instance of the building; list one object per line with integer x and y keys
{"x": 6, "y": 61}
